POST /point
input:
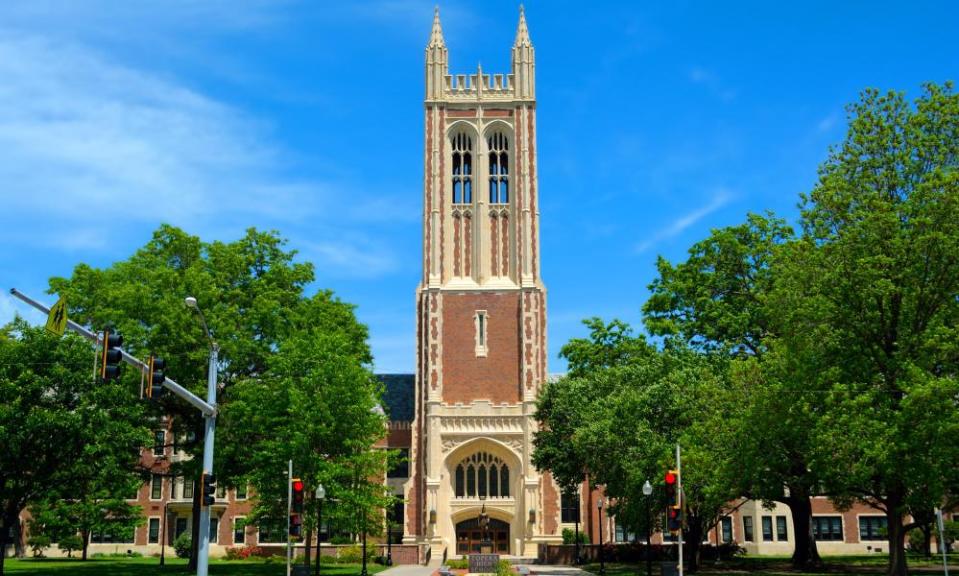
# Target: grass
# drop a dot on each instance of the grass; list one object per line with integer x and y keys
{"x": 151, "y": 567}
{"x": 835, "y": 566}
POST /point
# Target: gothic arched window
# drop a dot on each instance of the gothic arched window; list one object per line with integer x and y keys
{"x": 460, "y": 488}
{"x": 462, "y": 168}
{"x": 481, "y": 475}
{"x": 498, "y": 145}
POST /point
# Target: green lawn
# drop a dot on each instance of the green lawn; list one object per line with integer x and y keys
{"x": 779, "y": 565}
{"x": 151, "y": 567}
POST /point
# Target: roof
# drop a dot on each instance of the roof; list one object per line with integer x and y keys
{"x": 399, "y": 396}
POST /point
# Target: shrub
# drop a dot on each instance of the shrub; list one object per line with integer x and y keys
{"x": 504, "y": 568}
{"x": 71, "y": 544}
{"x": 569, "y": 536}
{"x": 233, "y": 553}
{"x": 37, "y": 544}
{"x": 183, "y": 545}
{"x": 461, "y": 564}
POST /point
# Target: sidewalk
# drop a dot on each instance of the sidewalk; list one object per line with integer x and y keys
{"x": 412, "y": 569}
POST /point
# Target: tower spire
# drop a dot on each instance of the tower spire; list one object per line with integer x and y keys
{"x": 436, "y": 34}
{"x": 522, "y": 32}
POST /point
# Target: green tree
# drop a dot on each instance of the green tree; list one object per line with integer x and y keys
{"x": 883, "y": 257}
{"x": 317, "y": 405}
{"x": 730, "y": 298}
{"x": 252, "y": 295}
{"x": 55, "y": 419}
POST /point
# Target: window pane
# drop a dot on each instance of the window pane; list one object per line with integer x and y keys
{"x": 767, "y": 528}
{"x": 241, "y": 491}
{"x": 470, "y": 481}
{"x": 494, "y": 481}
{"x": 214, "y": 529}
{"x": 467, "y": 191}
{"x": 154, "y": 532}
{"x": 482, "y": 481}
{"x": 156, "y": 488}
{"x": 748, "y": 528}
{"x": 504, "y": 481}
{"x": 239, "y": 533}
{"x": 187, "y": 489}
{"x": 781, "y": 533}
{"x": 159, "y": 439}
{"x": 460, "y": 490}
{"x": 727, "y": 529}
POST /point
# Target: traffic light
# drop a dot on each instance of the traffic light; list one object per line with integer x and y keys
{"x": 674, "y": 511}
{"x": 672, "y": 499}
{"x": 297, "y": 503}
{"x": 674, "y": 520}
{"x": 209, "y": 489}
{"x": 296, "y": 525}
{"x": 155, "y": 377}
{"x": 112, "y": 356}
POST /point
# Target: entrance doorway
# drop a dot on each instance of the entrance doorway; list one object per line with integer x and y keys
{"x": 469, "y": 536}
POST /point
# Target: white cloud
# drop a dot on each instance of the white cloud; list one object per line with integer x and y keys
{"x": 351, "y": 257}
{"x": 719, "y": 199}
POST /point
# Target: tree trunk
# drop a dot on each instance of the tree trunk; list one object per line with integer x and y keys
{"x": 693, "y": 541}
{"x": 806, "y": 553}
{"x": 926, "y": 540}
{"x": 195, "y": 523}
{"x": 4, "y": 530}
{"x": 86, "y": 542}
{"x": 897, "y": 549}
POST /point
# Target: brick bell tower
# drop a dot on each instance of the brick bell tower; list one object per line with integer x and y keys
{"x": 481, "y": 313}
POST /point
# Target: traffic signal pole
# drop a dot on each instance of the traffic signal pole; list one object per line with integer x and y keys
{"x": 207, "y": 408}
{"x": 679, "y": 500}
{"x": 209, "y": 430}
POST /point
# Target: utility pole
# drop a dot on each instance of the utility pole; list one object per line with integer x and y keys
{"x": 289, "y": 512}
{"x": 679, "y": 499}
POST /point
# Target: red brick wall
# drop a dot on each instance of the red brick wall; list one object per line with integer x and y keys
{"x": 467, "y": 377}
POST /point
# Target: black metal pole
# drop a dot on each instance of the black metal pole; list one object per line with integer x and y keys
{"x": 163, "y": 525}
{"x": 649, "y": 536}
{"x": 319, "y": 528}
{"x": 389, "y": 542}
{"x": 602, "y": 558}
{"x": 363, "y": 572}
{"x": 576, "y": 542}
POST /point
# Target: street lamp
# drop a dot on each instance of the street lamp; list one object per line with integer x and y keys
{"x": 320, "y": 495}
{"x": 602, "y": 559}
{"x": 203, "y": 554}
{"x": 647, "y": 492}
{"x": 389, "y": 537}
{"x": 576, "y": 536}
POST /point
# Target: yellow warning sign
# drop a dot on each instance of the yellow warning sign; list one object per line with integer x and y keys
{"x": 57, "y": 320}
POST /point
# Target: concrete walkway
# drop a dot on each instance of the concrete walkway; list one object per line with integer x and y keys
{"x": 548, "y": 570}
{"x": 413, "y": 569}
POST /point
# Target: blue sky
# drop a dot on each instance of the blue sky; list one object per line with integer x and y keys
{"x": 657, "y": 122}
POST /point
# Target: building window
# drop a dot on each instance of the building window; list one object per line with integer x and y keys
{"x": 187, "y": 488}
{"x": 462, "y": 169}
{"x": 481, "y": 475}
{"x": 220, "y": 490}
{"x": 623, "y": 534}
{"x": 767, "y": 528}
{"x": 401, "y": 467}
{"x": 159, "y": 442}
{"x": 239, "y": 530}
{"x": 748, "y": 528}
{"x": 214, "y": 529}
{"x": 271, "y": 532}
{"x": 482, "y": 321}
{"x": 827, "y": 527}
{"x": 156, "y": 487}
{"x": 782, "y": 534}
{"x": 153, "y": 531}
{"x": 241, "y": 491}
{"x": 498, "y": 145}
{"x": 119, "y": 535}
{"x": 873, "y": 527}
{"x": 181, "y": 528}
{"x": 570, "y": 507}
{"x": 727, "y": 527}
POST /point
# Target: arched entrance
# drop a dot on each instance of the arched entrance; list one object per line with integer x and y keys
{"x": 469, "y": 536}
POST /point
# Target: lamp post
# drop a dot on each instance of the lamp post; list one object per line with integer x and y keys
{"x": 164, "y": 527}
{"x": 363, "y": 571}
{"x": 320, "y": 495}
{"x": 389, "y": 537}
{"x": 647, "y": 492}
{"x": 602, "y": 559}
{"x": 576, "y": 539}
{"x": 203, "y": 555}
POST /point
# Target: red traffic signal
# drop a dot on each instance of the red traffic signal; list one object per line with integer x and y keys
{"x": 297, "y": 503}
{"x": 674, "y": 521}
{"x": 672, "y": 479}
